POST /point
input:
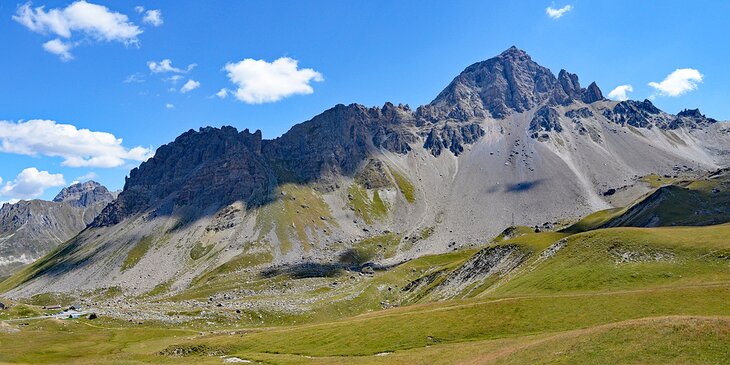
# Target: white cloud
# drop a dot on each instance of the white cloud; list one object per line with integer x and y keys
{"x": 30, "y": 183}
{"x": 259, "y": 81}
{"x": 189, "y": 86}
{"x": 222, "y": 93}
{"x": 620, "y": 92}
{"x": 77, "y": 147}
{"x": 166, "y": 66}
{"x": 557, "y": 13}
{"x": 169, "y": 106}
{"x": 139, "y": 9}
{"x": 679, "y": 82}
{"x": 153, "y": 17}
{"x": 60, "y": 48}
{"x": 94, "y": 21}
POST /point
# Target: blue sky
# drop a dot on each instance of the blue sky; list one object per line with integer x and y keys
{"x": 331, "y": 52}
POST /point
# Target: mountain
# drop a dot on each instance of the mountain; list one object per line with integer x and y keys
{"x": 31, "y": 229}
{"x": 505, "y": 143}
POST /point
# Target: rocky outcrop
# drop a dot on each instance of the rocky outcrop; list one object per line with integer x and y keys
{"x": 570, "y": 84}
{"x": 592, "y": 94}
{"x": 546, "y": 119}
{"x": 639, "y": 114}
{"x": 489, "y": 263}
{"x": 579, "y": 113}
{"x": 338, "y": 140}
{"x": 692, "y": 119}
{"x": 203, "y": 169}
{"x": 511, "y": 82}
{"x": 452, "y": 137}
{"x": 84, "y": 194}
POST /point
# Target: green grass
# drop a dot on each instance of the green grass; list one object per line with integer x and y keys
{"x": 673, "y": 340}
{"x": 240, "y": 262}
{"x": 199, "y": 250}
{"x": 656, "y": 181}
{"x": 375, "y": 248}
{"x": 616, "y": 295}
{"x": 593, "y": 261}
{"x": 293, "y": 216}
{"x": 137, "y": 252}
{"x": 476, "y": 320}
{"x": 370, "y": 210}
{"x": 405, "y": 186}
{"x": 675, "y": 202}
{"x": 595, "y": 220}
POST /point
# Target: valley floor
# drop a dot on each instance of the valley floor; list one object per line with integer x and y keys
{"x": 619, "y": 295}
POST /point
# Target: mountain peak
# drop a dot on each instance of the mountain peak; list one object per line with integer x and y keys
{"x": 509, "y": 82}
{"x": 84, "y": 194}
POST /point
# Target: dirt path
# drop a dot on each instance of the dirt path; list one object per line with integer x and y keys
{"x": 508, "y": 350}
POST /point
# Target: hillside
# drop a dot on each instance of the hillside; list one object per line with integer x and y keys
{"x": 506, "y": 141}
{"x": 547, "y": 296}
{"x": 31, "y": 229}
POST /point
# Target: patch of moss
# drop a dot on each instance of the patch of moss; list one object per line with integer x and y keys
{"x": 295, "y": 214}
{"x": 160, "y": 288}
{"x": 199, "y": 250}
{"x": 137, "y": 252}
{"x": 368, "y": 209}
{"x": 245, "y": 260}
{"x": 405, "y": 186}
{"x": 46, "y": 299}
{"x": 375, "y": 248}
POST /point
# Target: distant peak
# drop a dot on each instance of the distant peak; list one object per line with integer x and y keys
{"x": 84, "y": 194}
{"x": 695, "y": 113}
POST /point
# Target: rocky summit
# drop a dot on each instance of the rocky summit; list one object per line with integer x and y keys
{"x": 506, "y": 142}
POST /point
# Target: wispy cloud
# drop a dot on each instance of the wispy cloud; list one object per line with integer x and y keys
{"x": 95, "y": 22}
{"x": 557, "y": 13}
{"x": 153, "y": 17}
{"x": 165, "y": 66}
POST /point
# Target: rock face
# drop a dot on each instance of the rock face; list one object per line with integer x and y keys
{"x": 692, "y": 119}
{"x": 212, "y": 168}
{"x": 546, "y": 119}
{"x": 451, "y": 173}
{"x": 452, "y": 137}
{"x": 640, "y": 114}
{"x": 30, "y": 229}
{"x": 511, "y": 82}
{"x": 592, "y": 94}
{"x": 209, "y": 168}
{"x": 84, "y": 194}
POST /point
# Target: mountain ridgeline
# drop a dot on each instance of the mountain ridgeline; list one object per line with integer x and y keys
{"x": 505, "y": 142}
{"x": 31, "y": 229}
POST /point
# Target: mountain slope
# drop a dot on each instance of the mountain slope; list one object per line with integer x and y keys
{"x": 31, "y": 229}
{"x": 506, "y": 142}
